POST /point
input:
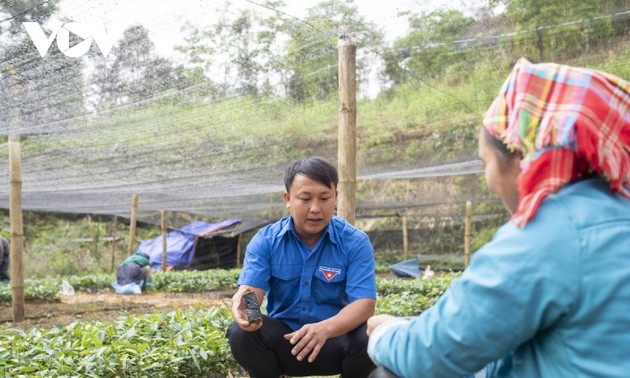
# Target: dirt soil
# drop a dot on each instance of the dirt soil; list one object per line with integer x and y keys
{"x": 107, "y": 306}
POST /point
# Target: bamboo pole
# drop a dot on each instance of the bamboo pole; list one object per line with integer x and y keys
{"x": 539, "y": 44}
{"x": 164, "y": 237}
{"x": 114, "y": 242}
{"x": 346, "y": 145}
{"x": 238, "y": 251}
{"x": 467, "y": 234}
{"x": 405, "y": 231}
{"x": 97, "y": 238}
{"x": 132, "y": 224}
{"x": 17, "y": 229}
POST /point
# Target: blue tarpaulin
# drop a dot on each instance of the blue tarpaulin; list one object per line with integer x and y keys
{"x": 181, "y": 244}
{"x": 407, "y": 268}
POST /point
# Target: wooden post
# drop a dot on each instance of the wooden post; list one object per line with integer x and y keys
{"x": 164, "y": 237}
{"x": 97, "y": 238}
{"x": 405, "y": 238}
{"x": 17, "y": 229}
{"x": 467, "y": 234}
{"x": 132, "y": 225}
{"x": 346, "y": 143}
{"x": 114, "y": 243}
{"x": 539, "y": 45}
{"x": 238, "y": 251}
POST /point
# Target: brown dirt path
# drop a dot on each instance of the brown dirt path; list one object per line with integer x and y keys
{"x": 107, "y": 306}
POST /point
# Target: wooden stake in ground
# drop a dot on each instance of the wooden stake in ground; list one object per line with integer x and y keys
{"x": 132, "y": 225}
{"x": 346, "y": 145}
{"x": 405, "y": 231}
{"x": 114, "y": 242}
{"x": 164, "y": 237}
{"x": 17, "y": 229}
{"x": 238, "y": 251}
{"x": 467, "y": 234}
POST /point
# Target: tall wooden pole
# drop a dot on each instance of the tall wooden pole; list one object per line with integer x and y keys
{"x": 17, "y": 229}
{"x": 467, "y": 234}
{"x": 347, "y": 140}
{"x": 132, "y": 225}
{"x": 164, "y": 237}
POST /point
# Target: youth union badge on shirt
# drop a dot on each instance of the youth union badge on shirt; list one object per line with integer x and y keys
{"x": 329, "y": 273}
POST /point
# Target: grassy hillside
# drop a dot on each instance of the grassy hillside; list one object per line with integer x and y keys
{"x": 420, "y": 123}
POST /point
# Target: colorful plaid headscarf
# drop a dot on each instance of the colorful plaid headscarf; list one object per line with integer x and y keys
{"x": 566, "y": 122}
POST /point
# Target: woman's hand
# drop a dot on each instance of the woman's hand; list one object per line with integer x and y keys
{"x": 377, "y": 320}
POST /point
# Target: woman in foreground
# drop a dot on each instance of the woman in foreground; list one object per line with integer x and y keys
{"x": 549, "y": 296}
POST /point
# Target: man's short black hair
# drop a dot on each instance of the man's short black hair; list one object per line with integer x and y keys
{"x": 314, "y": 167}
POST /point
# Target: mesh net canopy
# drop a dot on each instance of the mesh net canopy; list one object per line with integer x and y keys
{"x": 197, "y": 107}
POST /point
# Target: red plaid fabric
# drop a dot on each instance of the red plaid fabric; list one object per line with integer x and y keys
{"x": 566, "y": 122}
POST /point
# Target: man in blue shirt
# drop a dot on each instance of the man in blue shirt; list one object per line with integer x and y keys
{"x": 318, "y": 274}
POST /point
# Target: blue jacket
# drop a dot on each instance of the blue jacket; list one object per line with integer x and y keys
{"x": 554, "y": 297}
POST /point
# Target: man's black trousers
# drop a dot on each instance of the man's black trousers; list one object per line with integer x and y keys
{"x": 266, "y": 354}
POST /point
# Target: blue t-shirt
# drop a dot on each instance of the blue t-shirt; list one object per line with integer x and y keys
{"x": 307, "y": 286}
{"x": 551, "y": 299}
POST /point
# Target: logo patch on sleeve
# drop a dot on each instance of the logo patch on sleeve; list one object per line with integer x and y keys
{"x": 329, "y": 273}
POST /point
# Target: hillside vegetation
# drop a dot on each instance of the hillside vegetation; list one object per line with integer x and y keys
{"x": 420, "y": 134}
{"x": 441, "y": 76}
